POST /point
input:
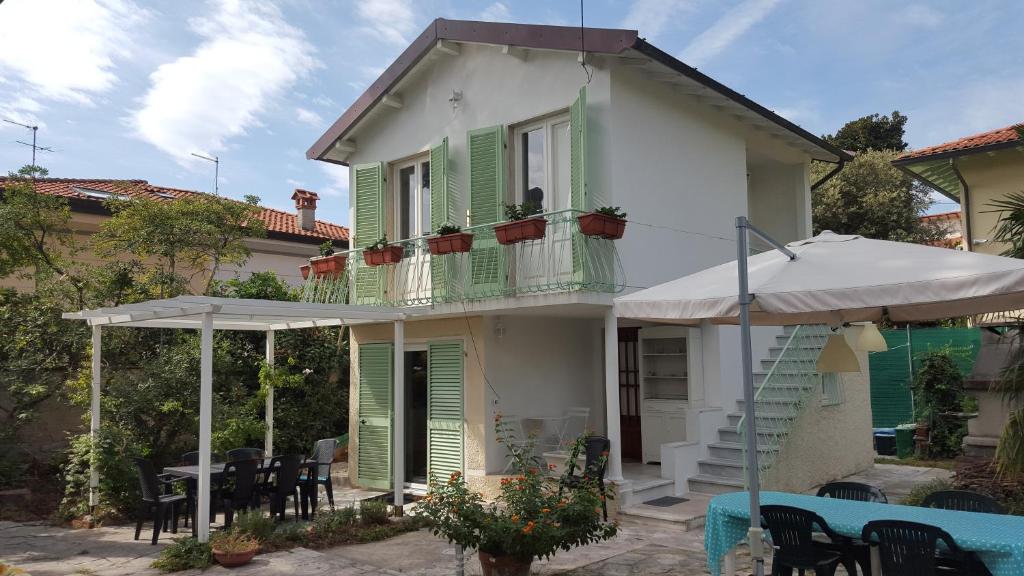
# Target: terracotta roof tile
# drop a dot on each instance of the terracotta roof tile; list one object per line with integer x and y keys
{"x": 1000, "y": 136}
{"x": 97, "y": 189}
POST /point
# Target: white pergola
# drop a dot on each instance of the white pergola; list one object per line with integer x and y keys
{"x": 207, "y": 314}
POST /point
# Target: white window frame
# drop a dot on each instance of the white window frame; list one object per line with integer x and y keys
{"x": 397, "y": 166}
{"x": 832, "y": 389}
{"x": 547, "y": 123}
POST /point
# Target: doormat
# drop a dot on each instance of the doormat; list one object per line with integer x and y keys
{"x": 666, "y": 501}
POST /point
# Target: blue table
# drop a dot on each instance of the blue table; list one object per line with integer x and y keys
{"x": 998, "y": 540}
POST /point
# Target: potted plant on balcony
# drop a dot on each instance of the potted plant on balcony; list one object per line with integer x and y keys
{"x": 328, "y": 264}
{"x": 232, "y": 549}
{"x": 531, "y": 517}
{"x": 450, "y": 239}
{"x": 380, "y": 252}
{"x": 607, "y": 222}
{"x": 524, "y": 223}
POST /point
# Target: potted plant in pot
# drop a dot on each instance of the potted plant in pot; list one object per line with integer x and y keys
{"x": 231, "y": 549}
{"x": 532, "y": 517}
{"x": 328, "y": 264}
{"x": 380, "y": 252}
{"x": 607, "y": 222}
{"x": 524, "y": 224}
{"x": 450, "y": 239}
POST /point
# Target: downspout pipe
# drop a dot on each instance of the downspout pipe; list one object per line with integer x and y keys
{"x": 827, "y": 177}
{"x": 965, "y": 203}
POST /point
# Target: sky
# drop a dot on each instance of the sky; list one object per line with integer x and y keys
{"x": 130, "y": 89}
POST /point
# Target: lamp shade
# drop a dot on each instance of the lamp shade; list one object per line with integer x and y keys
{"x": 871, "y": 339}
{"x": 837, "y": 356}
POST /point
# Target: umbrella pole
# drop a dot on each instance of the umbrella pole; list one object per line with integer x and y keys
{"x": 755, "y": 533}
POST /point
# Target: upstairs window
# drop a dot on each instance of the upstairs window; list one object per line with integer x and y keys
{"x": 541, "y": 151}
{"x": 412, "y": 180}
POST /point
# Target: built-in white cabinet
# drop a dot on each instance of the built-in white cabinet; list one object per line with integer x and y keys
{"x": 670, "y": 384}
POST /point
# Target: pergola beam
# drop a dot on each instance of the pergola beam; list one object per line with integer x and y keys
{"x": 268, "y": 441}
{"x": 94, "y": 416}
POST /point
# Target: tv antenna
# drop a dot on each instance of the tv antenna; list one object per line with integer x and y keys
{"x": 216, "y": 171}
{"x": 34, "y": 130}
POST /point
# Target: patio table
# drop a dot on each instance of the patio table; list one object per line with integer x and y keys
{"x": 217, "y": 471}
{"x": 997, "y": 539}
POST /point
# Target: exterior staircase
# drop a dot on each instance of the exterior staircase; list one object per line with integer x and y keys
{"x": 783, "y": 385}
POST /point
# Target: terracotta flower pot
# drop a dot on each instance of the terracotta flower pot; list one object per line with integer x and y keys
{"x": 387, "y": 255}
{"x": 521, "y": 230}
{"x": 602, "y": 226}
{"x": 328, "y": 266}
{"x": 504, "y": 565}
{"x": 450, "y": 243}
{"x": 233, "y": 559}
{"x": 305, "y": 271}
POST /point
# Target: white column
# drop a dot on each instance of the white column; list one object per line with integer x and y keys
{"x": 398, "y": 428}
{"x": 205, "y": 418}
{"x": 94, "y": 417}
{"x": 611, "y": 385}
{"x": 268, "y": 442}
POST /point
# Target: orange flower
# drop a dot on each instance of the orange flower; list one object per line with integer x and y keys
{"x": 552, "y": 466}
{"x": 545, "y": 510}
{"x": 515, "y": 517}
{"x": 529, "y": 527}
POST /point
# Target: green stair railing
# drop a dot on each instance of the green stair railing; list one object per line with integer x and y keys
{"x": 782, "y": 395}
{"x": 565, "y": 260}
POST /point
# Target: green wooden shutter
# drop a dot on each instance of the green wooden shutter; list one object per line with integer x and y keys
{"x": 486, "y": 201}
{"x": 442, "y": 211}
{"x": 368, "y": 227}
{"x": 376, "y": 381}
{"x": 578, "y": 179}
{"x": 444, "y": 409}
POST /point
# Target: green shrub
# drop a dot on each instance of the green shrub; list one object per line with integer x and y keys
{"x": 373, "y": 512}
{"x": 938, "y": 393}
{"x": 184, "y": 554}
{"x": 333, "y": 521}
{"x": 255, "y": 524}
{"x": 119, "y": 485}
{"x": 921, "y": 491}
{"x": 287, "y": 535}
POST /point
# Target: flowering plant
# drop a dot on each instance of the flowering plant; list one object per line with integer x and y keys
{"x": 534, "y": 516}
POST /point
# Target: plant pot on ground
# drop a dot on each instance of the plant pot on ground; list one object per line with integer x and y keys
{"x": 232, "y": 549}
{"x": 380, "y": 253}
{"x": 504, "y": 565}
{"x": 608, "y": 222}
{"x": 450, "y": 240}
{"x": 524, "y": 224}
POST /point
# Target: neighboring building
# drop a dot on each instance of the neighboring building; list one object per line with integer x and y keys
{"x": 291, "y": 238}
{"x": 949, "y": 222}
{"x": 974, "y": 171}
{"x": 473, "y": 115}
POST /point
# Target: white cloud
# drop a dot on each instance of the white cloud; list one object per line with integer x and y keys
{"x": 248, "y": 57}
{"x": 920, "y": 15}
{"x": 309, "y": 117}
{"x": 497, "y": 12}
{"x": 726, "y": 30}
{"x": 337, "y": 180}
{"x": 969, "y": 107}
{"x": 66, "y": 49}
{"x": 392, "y": 20}
{"x": 649, "y": 17}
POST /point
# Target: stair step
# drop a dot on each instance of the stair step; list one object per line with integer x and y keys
{"x": 714, "y": 485}
{"x": 721, "y": 468}
{"x": 801, "y": 348}
{"x": 733, "y": 450}
{"x": 731, "y": 434}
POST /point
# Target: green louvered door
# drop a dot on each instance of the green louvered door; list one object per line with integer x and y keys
{"x": 578, "y": 179}
{"x": 369, "y": 226}
{"x": 442, "y": 211}
{"x": 444, "y": 409}
{"x": 376, "y": 382}
{"x": 487, "y": 275}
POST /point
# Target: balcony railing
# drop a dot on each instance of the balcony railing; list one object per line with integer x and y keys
{"x": 564, "y": 260}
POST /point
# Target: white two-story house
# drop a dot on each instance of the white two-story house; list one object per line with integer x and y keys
{"x": 475, "y": 115}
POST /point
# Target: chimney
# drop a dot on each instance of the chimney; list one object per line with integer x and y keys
{"x": 305, "y": 208}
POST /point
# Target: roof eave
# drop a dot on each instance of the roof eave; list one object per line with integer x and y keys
{"x": 958, "y": 153}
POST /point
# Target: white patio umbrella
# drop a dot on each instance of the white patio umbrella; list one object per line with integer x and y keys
{"x": 828, "y": 279}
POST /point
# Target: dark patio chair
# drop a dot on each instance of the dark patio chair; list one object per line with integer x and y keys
{"x": 963, "y": 501}
{"x": 910, "y": 549}
{"x": 280, "y": 481}
{"x": 239, "y": 485}
{"x": 593, "y": 469}
{"x": 236, "y": 454}
{"x": 323, "y": 453}
{"x": 192, "y": 459}
{"x": 161, "y": 506}
{"x": 851, "y": 548}
{"x": 792, "y": 531}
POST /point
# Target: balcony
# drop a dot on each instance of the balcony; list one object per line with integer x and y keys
{"x": 565, "y": 260}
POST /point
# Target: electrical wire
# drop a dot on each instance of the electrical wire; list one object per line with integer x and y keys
{"x": 583, "y": 49}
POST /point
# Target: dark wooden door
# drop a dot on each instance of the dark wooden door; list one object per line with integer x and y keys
{"x": 629, "y": 393}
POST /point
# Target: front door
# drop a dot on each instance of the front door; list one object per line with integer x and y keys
{"x": 629, "y": 394}
{"x": 416, "y": 416}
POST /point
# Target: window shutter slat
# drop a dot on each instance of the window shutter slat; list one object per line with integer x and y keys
{"x": 578, "y": 178}
{"x": 368, "y": 227}
{"x": 442, "y": 211}
{"x": 376, "y": 382}
{"x": 445, "y": 434}
{"x": 486, "y": 201}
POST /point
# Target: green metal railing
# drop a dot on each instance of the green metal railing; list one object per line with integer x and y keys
{"x": 564, "y": 260}
{"x": 790, "y": 382}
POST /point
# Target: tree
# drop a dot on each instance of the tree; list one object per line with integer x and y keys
{"x": 871, "y": 198}
{"x": 872, "y": 132}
